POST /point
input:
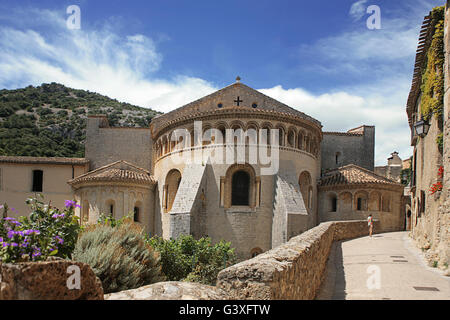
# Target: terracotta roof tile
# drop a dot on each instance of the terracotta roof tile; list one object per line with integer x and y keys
{"x": 119, "y": 171}
{"x": 352, "y": 174}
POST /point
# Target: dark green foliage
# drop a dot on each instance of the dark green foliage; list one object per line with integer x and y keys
{"x": 193, "y": 260}
{"x": 30, "y": 125}
{"x": 119, "y": 256}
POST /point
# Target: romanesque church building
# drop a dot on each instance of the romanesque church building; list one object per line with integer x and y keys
{"x": 234, "y": 165}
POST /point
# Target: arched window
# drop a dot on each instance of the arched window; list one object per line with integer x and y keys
{"x": 173, "y": 180}
{"x": 307, "y": 144}
{"x": 333, "y": 202}
{"x": 240, "y": 188}
{"x": 281, "y": 136}
{"x": 361, "y": 199}
{"x": 110, "y": 207}
{"x": 338, "y": 158}
{"x": 136, "y": 213}
{"x": 304, "y": 182}
{"x": 300, "y": 141}
{"x": 291, "y": 139}
{"x": 85, "y": 214}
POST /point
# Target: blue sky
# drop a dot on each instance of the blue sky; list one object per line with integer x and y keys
{"x": 316, "y": 56}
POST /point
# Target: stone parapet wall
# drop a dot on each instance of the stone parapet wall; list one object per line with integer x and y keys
{"x": 170, "y": 290}
{"x": 294, "y": 270}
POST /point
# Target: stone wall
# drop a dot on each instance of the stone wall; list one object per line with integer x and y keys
{"x": 353, "y": 147}
{"x": 294, "y": 270}
{"x": 105, "y": 144}
{"x": 390, "y": 219}
{"x": 48, "y": 280}
{"x": 170, "y": 290}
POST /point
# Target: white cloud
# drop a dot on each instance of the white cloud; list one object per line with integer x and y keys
{"x": 341, "y": 111}
{"x": 123, "y": 67}
{"x": 358, "y": 9}
{"x": 95, "y": 60}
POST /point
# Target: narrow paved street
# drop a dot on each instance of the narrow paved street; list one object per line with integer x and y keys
{"x": 385, "y": 267}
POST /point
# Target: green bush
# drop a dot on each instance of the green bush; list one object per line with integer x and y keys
{"x": 119, "y": 256}
{"x": 193, "y": 260}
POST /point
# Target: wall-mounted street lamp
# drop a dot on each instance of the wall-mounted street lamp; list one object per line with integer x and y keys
{"x": 421, "y": 127}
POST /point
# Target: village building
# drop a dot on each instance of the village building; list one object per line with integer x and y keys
{"x": 427, "y": 108}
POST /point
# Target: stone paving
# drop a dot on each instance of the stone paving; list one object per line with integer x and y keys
{"x": 385, "y": 267}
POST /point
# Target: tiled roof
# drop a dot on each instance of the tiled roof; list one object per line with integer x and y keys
{"x": 352, "y": 174}
{"x": 43, "y": 160}
{"x": 119, "y": 171}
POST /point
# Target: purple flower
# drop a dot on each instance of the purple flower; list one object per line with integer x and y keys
{"x": 31, "y": 231}
{"x": 1, "y": 239}
{"x": 5, "y": 244}
{"x": 71, "y": 204}
{"x": 13, "y": 221}
{"x": 56, "y": 216}
{"x": 59, "y": 239}
{"x": 14, "y": 244}
{"x": 36, "y": 253}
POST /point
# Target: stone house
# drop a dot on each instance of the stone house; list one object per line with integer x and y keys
{"x": 429, "y": 209}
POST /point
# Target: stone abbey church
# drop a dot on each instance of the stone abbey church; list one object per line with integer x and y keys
{"x": 198, "y": 170}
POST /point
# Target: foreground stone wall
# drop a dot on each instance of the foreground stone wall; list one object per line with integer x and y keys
{"x": 294, "y": 270}
{"x": 48, "y": 280}
{"x": 170, "y": 290}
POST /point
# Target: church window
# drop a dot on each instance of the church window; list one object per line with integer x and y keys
{"x": 361, "y": 199}
{"x": 281, "y": 137}
{"x": 136, "y": 217}
{"x": 333, "y": 203}
{"x": 240, "y": 188}
{"x": 338, "y": 158}
{"x": 37, "y": 180}
{"x": 219, "y": 105}
{"x": 254, "y": 105}
{"x": 300, "y": 141}
{"x": 173, "y": 180}
{"x": 85, "y": 209}
{"x": 305, "y": 184}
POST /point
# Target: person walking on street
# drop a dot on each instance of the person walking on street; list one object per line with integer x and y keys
{"x": 370, "y": 224}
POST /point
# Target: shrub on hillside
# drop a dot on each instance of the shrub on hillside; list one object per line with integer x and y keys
{"x": 119, "y": 256}
{"x": 193, "y": 260}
